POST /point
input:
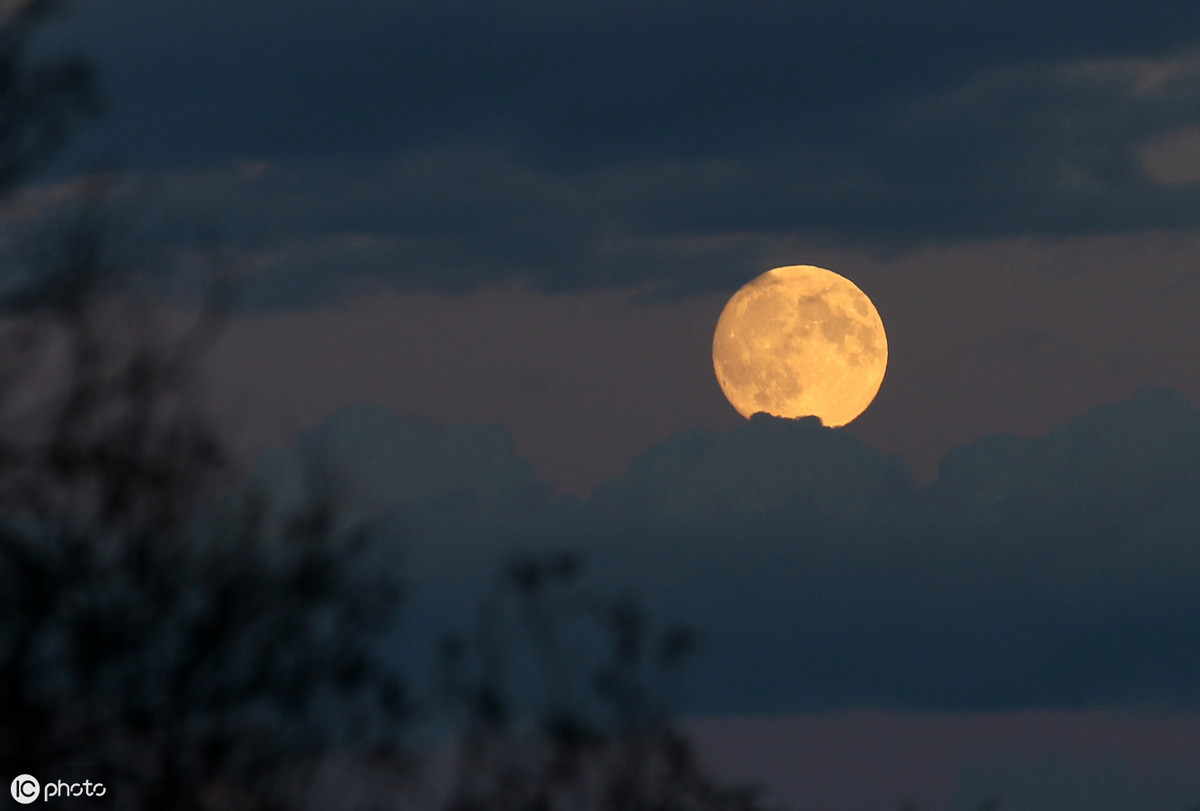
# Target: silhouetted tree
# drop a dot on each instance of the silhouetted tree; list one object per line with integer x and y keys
{"x": 597, "y": 732}
{"x": 184, "y": 664}
{"x": 40, "y": 102}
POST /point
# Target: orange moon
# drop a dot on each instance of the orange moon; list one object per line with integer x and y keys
{"x": 800, "y": 341}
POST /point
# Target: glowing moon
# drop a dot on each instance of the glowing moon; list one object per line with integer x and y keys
{"x": 800, "y": 341}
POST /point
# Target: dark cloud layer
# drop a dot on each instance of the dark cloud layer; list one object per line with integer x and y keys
{"x": 573, "y": 82}
{"x": 1060, "y": 571}
{"x": 530, "y": 137}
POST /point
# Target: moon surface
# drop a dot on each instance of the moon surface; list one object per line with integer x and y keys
{"x": 800, "y": 341}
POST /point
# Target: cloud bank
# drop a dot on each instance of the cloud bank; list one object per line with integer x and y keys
{"x": 1060, "y": 571}
{"x": 446, "y": 146}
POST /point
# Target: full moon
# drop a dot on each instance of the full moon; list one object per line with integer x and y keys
{"x": 800, "y": 341}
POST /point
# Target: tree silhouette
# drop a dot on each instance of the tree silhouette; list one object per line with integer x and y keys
{"x": 186, "y": 664}
{"x": 597, "y": 733}
{"x": 40, "y": 103}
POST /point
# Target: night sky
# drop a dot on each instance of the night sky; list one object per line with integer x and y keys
{"x": 481, "y": 249}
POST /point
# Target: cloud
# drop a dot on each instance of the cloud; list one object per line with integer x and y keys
{"x": 1032, "y": 761}
{"x": 1059, "y": 571}
{"x": 572, "y": 82}
{"x": 1050, "y": 783}
{"x": 1043, "y": 572}
{"x": 576, "y": 147}
{"x": 430, "y": 480}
